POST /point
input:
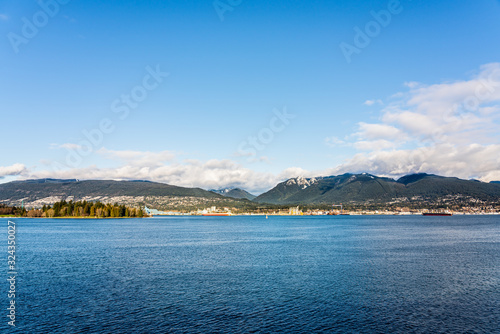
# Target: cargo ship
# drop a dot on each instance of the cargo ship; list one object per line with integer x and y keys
{"x": 217, "y": 214}
{"x": 437, "y": 214}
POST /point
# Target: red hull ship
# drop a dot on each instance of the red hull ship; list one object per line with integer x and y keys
{"x": 437, "y": 214}
{"x": 217, "y": 214}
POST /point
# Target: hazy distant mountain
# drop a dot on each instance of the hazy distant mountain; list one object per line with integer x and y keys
{"x": 363, "y": 188}
{"x": 234, "y": 193}
{"x": 495, "y": 182}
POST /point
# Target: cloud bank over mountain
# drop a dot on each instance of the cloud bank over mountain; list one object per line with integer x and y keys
{"x": 448, "y": 129}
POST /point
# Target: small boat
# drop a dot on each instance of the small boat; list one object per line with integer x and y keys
{"x": 437, "y": 214}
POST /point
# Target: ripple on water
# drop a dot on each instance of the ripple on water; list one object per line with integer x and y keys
{"x": 248, "y": 274}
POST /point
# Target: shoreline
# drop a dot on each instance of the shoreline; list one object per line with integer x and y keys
{"x": 69, "y": 217}
{"x": 253, "y": 215}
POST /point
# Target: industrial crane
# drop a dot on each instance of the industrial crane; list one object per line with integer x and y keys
{"x": 341, "y": 210}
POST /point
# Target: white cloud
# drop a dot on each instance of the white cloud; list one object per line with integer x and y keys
{"x": 67, "y": 146}
{"x": 451, "y": 112}
{"x": 334, "y": 141}
{"x": 471, "y": 161}
{"x": 295, "y": 172}
{"x": 138, "y": 158}
{"x": 15, "y": 169}
{"x": 161, "y": 167}
{"x": 374, "y": 145}
{"x": 379, "y": 131}
{"x": 448, "y": 128}
{"x": 372, "y": 102}
{"x": 411, "y": 84}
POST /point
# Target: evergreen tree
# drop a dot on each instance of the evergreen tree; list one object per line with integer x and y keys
{"x": 86, "y": 209}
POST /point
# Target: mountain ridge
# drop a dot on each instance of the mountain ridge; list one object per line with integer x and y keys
{"x": 323, "y": 190}
{"x": 35, "y": 193}
{"x": 234, "y": 192}
{"x": 366, "y": 188}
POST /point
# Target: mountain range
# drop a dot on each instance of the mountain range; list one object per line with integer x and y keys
{"x": 35, "y": 189}
{"x": 133, "y": 193}
{"x": 366, "y": 188}
{"x": 234, "y": 193}
{"x": 347, "y": 188}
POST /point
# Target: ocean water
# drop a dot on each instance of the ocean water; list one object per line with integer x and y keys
{"x": 333, "y": 274}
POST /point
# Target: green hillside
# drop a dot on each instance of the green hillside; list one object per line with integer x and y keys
{"x": 136, "y": 193}
{"x": 234, "y": 193}
{"x": 366, "y": 188}
{"x": 35, "y": 189}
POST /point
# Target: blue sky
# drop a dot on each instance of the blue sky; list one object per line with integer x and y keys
{"x": 420, "y": 94}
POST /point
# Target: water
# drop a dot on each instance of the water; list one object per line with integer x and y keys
{"x": 340, "y": 274}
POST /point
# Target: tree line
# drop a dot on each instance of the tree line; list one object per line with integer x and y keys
{"x": 76, "y": 209}
{"x": 11, "y": 211}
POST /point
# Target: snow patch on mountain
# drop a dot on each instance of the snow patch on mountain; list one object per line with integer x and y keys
{"x": 302, "y": 182}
